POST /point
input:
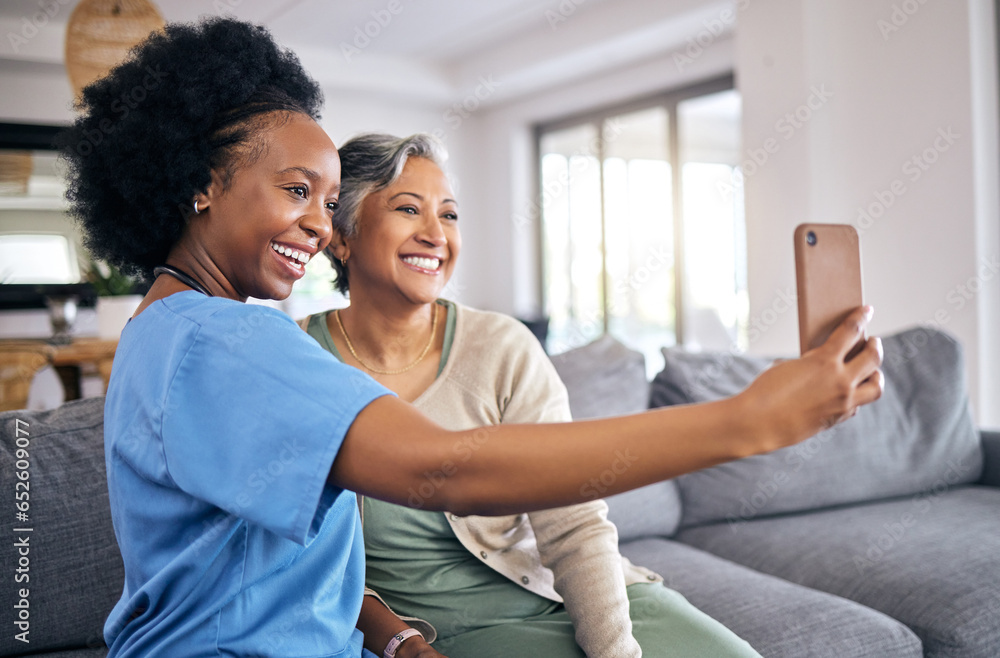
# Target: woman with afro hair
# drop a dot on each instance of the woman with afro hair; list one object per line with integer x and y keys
{"x": 234, "y": 443}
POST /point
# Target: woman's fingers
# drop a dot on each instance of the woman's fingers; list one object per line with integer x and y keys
{"x": 870, "y": 389}
{"x": 867, "y": 362}
{"x": 801, "y": 397}
{"x": 865, "y": 376}
{"x": 849, "y": 332}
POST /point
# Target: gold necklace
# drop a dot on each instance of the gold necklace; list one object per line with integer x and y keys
{"x": 427, "y": 348}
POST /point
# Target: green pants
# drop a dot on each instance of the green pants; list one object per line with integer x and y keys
{"x": 663, "y": 622}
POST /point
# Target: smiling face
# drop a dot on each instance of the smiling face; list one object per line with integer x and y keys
{"x": 261, "y": 230}
{"x": 408, "y": 240}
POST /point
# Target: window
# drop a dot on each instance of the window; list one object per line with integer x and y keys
{"x": 642, "y": 221}
{"x": 37, "y": 259}
{"x": 38, "y": 240}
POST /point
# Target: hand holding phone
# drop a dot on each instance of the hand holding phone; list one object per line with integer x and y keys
{"x": 828, "y": 281}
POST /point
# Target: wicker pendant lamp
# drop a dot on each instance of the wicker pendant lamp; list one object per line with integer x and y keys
{"x": 100, "y": 34}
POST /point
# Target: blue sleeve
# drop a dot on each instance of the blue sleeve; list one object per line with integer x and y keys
{"x": 254, "y": 416}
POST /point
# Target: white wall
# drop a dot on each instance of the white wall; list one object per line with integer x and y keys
{"x": 879, "y": 97}
{"x": 893, "y": 94}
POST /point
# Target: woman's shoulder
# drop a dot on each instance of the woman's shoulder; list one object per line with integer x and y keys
{"x": 476, "y": 321}
{"x": 188, "y": 327}
{"x": 216, "y": 322}
{"x": 200, "y": 309}
{"x": 494, "y": 336}
{"x": 314, "y": 321}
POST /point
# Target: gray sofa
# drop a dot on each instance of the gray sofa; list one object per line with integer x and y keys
{"x": 881, "y": 538}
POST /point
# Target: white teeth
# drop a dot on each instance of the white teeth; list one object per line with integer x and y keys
{"x": 300, "y": 256}
{"x": 425, "y": 263}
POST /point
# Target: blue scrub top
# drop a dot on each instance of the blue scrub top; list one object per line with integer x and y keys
{"x": 222, "y": 421}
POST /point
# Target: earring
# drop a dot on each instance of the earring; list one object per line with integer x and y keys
{"x": 343, "y": 262}
{"x": 196, "y": 211}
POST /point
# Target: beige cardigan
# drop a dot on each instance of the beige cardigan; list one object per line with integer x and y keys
{"x": 497, "y": 373}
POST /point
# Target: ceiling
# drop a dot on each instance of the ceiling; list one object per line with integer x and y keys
{"x": 431, "y": 30}
{"x": 435, "y": 51}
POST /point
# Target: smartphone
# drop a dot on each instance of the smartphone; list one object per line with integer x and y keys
{"x": 828, "y": 281}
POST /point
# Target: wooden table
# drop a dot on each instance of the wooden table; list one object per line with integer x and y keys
{"x": 83, "y": 356}
{"x": 72, "y": 361}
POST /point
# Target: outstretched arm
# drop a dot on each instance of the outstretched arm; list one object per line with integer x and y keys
{"x": 394, "y": 453}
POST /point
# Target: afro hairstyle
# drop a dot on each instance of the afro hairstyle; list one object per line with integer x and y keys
{"x": 189, "y": 100}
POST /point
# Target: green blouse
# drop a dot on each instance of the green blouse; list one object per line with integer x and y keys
{"x": 320, "y": 331}
{"x": 405, "y": 547}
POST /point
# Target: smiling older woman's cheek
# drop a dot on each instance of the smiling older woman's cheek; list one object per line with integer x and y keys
{"x": 407, "y": 240}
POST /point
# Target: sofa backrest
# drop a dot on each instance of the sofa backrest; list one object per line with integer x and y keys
{"x": 62, "y": 561}
{"x": 605, "y": 378}
{"x": 917, "y": 438}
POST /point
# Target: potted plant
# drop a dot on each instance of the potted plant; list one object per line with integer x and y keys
{"x": 118, "y": 295}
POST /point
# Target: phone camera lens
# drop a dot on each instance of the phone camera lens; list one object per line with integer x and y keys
{"x": 811, "y": 238}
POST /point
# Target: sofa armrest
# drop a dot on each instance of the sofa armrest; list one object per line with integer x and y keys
{"x": 991, "y": 458}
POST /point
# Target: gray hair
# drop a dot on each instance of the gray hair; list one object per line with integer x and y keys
{"x": 369, "y": 163}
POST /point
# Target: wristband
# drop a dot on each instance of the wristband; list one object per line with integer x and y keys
{"x": 398, "y": 639}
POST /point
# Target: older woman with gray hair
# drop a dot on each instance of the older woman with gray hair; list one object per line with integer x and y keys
{"x": 548, "y": 583}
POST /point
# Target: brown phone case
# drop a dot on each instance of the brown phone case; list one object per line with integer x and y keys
{"x": 828, "y": 280}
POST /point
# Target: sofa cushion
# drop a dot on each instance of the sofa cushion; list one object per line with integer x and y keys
{"x": 779, "y": 619}
{"x": 919, "y": 432}
{"x": 650, "y": 511}
{"x": 605, "y": 378}
{"x": 72, "y": 562}
{"x": 932, "y": 560}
